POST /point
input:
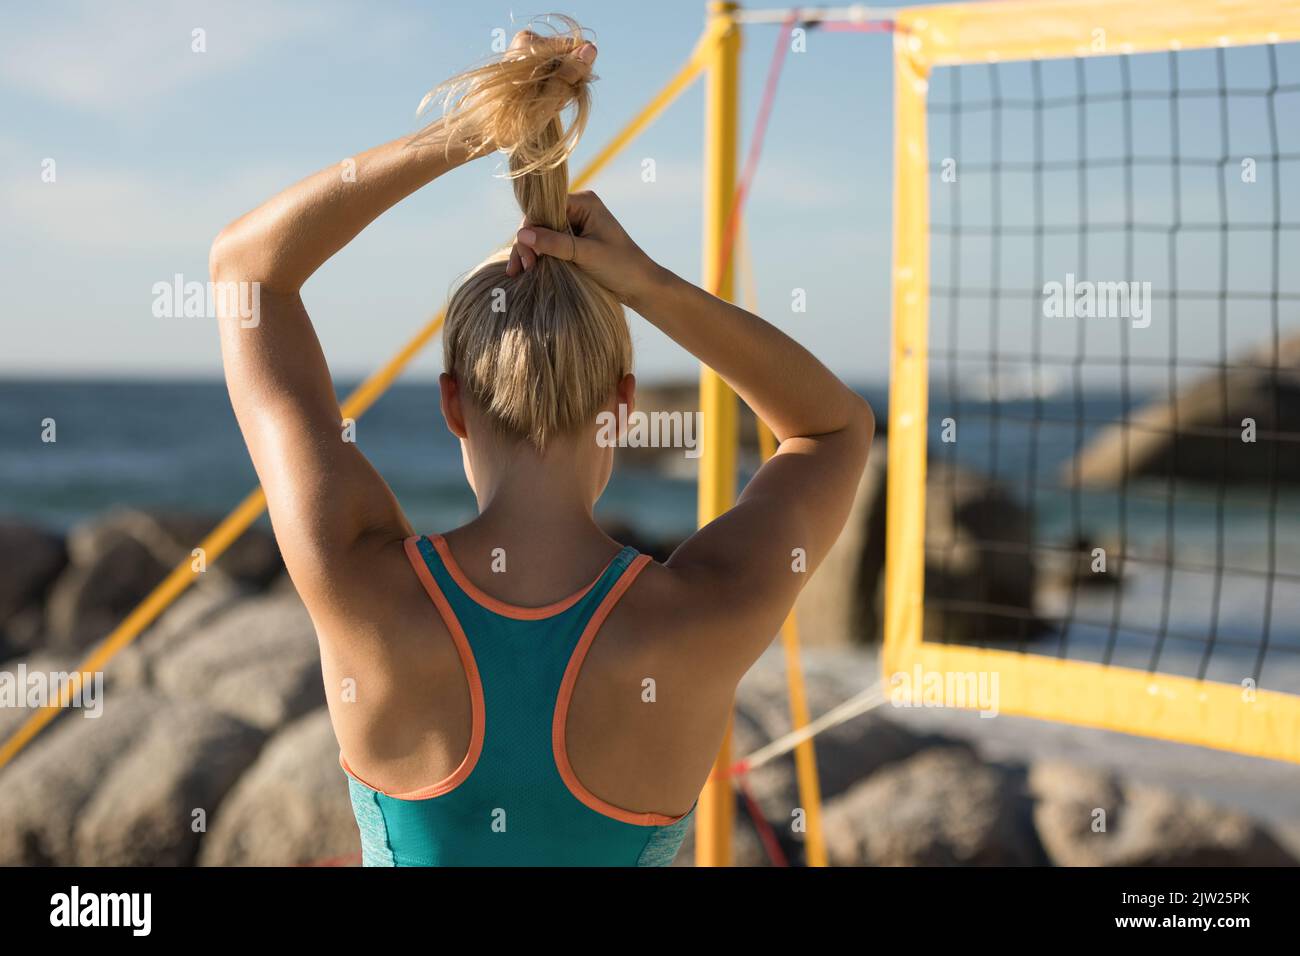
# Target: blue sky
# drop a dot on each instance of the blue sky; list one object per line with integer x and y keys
{"x": 157, "y": 147}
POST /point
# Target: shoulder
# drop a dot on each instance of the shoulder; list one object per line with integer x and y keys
{"x": 376, "y": 595}
{"x": 664, "y": 596}
{"x": 673, "y": 619}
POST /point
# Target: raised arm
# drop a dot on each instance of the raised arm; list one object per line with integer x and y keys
{"x": 331, "y": 510}
{"x": 326, "y": 501}
{"x": 744, "y": 565}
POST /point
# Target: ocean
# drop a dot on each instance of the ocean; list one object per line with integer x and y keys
{"x": 175, "y": 446}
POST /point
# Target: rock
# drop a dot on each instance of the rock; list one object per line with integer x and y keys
{"x": 143, "y": 813}
{"x": 1198, "y": 435}
{"x": 22, "y": 632}
{"x": 93, "y": 595}
{"x": 48, "y": 785}
{"x": 979, "y": 569}
{"x": 1161, "y": 829}
{"x": 835, "y": 606}
{"x": 1086, "y": 818}
{"x": 1069, "y": 801}
{"x": 253, "y": 560}
{"x": 188, "y": 615}
{"x": 942, "y": 807}
{"x": 258, "y": 661}
{"x": 32, "y": 559}
{"x": 1074, "y": 566}
{"x": 117, "y": 559}
{"x": 290, "y": 808}
{"x": 845, "y": 754}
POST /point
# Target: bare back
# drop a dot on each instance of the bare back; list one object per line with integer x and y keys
{"x": 644, "y": 720}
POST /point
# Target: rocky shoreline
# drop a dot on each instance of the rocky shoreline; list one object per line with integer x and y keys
{"x": 214, "y": 746}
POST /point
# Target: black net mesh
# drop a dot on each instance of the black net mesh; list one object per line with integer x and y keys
{"x": 1114, "y": 444}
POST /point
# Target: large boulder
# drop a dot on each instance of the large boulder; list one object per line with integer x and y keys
{"x": 118, "y": 558}
{"x": 1199, "y": 434}
{"x": 979, "y": 569}
{"x": 1074, "y": 807}
{"x": 32, "y": 558}
{"x": 290, "y": 808}
{"x": 189, "y": 615}
{"x": 943, "y": 807}
{"x": 1085, "y": 817}
{"x": 153, "y": 804}
{"x": 48, "y": 785}
{"x": 845, "y": 754}
{"x": 258, "y": 661}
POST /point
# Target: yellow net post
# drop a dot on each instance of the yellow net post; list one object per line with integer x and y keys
{"x": 908, "y": 385}
{"x": 717, "y": 481}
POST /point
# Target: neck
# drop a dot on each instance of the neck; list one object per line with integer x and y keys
{"x": 539, "y": 497}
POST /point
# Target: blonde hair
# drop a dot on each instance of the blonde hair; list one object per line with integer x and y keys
{"x": 540, "y": 352}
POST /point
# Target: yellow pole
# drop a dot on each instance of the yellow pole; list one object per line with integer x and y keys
{"x": 717, "y": 481}
{"x": 697, "y": 63}
{"x": 908, "y": 375}
{"x": 805, "y": 757}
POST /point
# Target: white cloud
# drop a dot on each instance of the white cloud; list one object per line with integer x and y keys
{"x": 108, "y": 57}
{"x": 104, "y": 209}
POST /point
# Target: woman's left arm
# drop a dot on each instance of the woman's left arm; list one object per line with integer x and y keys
{"x": 328, "y": 505}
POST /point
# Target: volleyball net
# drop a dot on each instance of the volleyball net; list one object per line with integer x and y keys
{"x": 1094, "y": 434}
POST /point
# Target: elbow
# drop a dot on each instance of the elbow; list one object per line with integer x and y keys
{"x": 225, "y": 255}
{"x": 862, "y": 424}
{"x": 868, "y": 418}
{"x": 242, "y": 252}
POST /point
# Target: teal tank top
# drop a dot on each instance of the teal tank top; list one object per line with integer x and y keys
{"x": 514, "y": 800}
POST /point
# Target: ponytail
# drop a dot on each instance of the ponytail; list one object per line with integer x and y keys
{"x": 542, "y": 351}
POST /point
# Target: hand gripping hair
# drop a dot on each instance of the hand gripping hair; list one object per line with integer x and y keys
{"x": 541, "y": 352}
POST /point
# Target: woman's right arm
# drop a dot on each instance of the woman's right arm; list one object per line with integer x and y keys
{"x": 751, "y": 562}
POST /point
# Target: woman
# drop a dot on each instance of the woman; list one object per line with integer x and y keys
{"x": 523, "y": 690}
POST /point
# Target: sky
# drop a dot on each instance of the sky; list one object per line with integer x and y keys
{"x": 155, "y": 147}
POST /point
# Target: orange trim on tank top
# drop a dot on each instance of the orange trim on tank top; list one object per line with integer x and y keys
{"x": 496, "y": 605}
{"x": 457, "y": 776}
{"x": 559, "y": 724}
